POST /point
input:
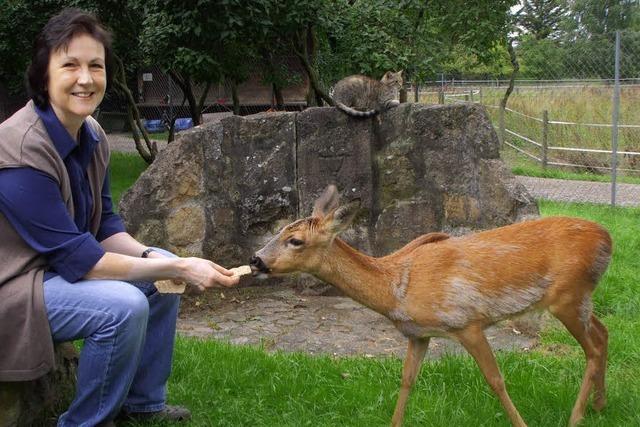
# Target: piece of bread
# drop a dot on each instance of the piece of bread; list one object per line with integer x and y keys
{"x": 170, "y": 286}
{"x": 178, "y": 287}
{"x": 241, "y": 270}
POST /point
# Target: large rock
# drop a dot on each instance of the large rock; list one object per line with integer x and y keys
{"x": 222, "y": 189}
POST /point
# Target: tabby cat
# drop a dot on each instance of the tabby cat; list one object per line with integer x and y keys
{"x": 362, "y": 96}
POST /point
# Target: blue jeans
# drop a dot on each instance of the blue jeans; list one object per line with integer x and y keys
{"x": 129, "y": 332}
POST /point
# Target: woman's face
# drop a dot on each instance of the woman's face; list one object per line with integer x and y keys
{"x": 77, "y": 81}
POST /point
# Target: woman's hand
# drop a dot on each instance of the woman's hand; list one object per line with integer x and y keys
{"x": 206, "y": 274}
{"x": 198, "y": 272}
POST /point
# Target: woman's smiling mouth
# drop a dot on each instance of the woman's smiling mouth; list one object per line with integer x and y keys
{"x": 82, "y": 94}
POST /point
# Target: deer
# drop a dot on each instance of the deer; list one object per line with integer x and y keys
{"x": 455, "y": 287}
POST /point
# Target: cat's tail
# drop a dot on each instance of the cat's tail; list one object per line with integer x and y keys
{"x": 355, "y": 113}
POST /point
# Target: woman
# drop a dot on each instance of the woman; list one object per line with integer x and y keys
{"x": 70, "y": 270}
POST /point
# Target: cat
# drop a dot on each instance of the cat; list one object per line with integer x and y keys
{"x": 362, "y": 96}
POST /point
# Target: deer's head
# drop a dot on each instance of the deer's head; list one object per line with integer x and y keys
{"x": 301, "y": 245}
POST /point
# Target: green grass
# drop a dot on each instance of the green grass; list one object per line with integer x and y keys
{"x": 124, "y": 170}
{"x": 159, "y": 136}
{"x": 226, "y": 385}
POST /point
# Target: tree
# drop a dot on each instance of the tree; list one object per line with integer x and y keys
{"x": 541, "y": 59}
{"x": 590, "y": 18}
{"x": 542, "y": 18}
{"x": 374, "y": 36}
{"x": 200, "y": 49}
{"x": 16, "y": 44}
{"x": 281, "y": 33}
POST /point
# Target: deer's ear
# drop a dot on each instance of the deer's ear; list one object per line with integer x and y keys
{"x": 327, "y": 202}
{"x": 342, "y": 217}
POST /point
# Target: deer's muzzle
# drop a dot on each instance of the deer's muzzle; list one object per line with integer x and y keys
{"x": 258, "y": 266}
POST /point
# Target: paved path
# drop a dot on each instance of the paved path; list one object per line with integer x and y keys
{"x": 581, "y": 191}
{"x": 124, "y": 143}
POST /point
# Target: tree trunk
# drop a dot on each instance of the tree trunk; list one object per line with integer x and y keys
{"x": 187, "y": 91}
{"x": 149, "y": 153}
{"x": 201, "y": 102}
{"x": 516, "y": 68}
{"x": 40, "y": 402}
{"x": 172, "y": 129}
{"x": 505, "y": 98}
{"x": 314, "y": 80}
{"x": 235, "y": 97}
{"x": 279, "y": 99}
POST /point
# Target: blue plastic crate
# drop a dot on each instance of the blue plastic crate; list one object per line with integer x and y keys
{"x": 154, "y": 126}
{"x": 183, "y": 123}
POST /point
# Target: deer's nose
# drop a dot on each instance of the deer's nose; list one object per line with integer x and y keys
{"x": 257, "y": 264}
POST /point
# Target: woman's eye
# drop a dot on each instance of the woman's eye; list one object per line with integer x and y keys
{"x": 295, "y": 242}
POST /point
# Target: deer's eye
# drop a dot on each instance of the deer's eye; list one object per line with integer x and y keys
{"x": 295, "y": 242}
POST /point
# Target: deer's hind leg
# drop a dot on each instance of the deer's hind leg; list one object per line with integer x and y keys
{"x": 592, "y": 337}
{"x": 415, "y": 353}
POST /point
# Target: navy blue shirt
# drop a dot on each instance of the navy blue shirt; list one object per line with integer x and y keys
{"x": 32, "y": 202}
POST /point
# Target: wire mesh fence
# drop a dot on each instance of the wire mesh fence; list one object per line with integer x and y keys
{"x": 585, "y": 127}
{"x": 163, "y": 103}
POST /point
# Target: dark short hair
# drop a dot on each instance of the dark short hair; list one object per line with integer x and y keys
{"x": 57, "y": 34}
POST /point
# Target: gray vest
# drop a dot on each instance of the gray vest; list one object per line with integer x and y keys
{"x": 25, "y": 338}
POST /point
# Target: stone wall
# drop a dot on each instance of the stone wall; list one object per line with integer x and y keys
{"x": 222, "y": 189}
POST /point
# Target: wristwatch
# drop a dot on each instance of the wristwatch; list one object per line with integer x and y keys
{"x": 146, "y": 252}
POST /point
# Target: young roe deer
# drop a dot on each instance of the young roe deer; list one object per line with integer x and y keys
{"x": 456, "y": 287}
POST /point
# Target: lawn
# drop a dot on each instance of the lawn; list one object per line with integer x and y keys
{"x": 124, "y": 170}
{"x": 226, "y": 385}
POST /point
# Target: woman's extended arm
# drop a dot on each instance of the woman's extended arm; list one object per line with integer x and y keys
{"x": 196, "y": 271}
{"x": 122, "y": 262}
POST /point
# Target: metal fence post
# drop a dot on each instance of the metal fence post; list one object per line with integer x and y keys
{"x": 545, "y": 137}
{"x": 501, "y": 124}
{"x": 614, "y": 120}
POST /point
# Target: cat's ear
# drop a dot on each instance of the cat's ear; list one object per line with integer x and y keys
{"x": 400, "y": 73}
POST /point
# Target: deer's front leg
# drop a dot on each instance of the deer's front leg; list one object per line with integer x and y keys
{"x": 474, "y": 340}
{"x": 415, "y": 353}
